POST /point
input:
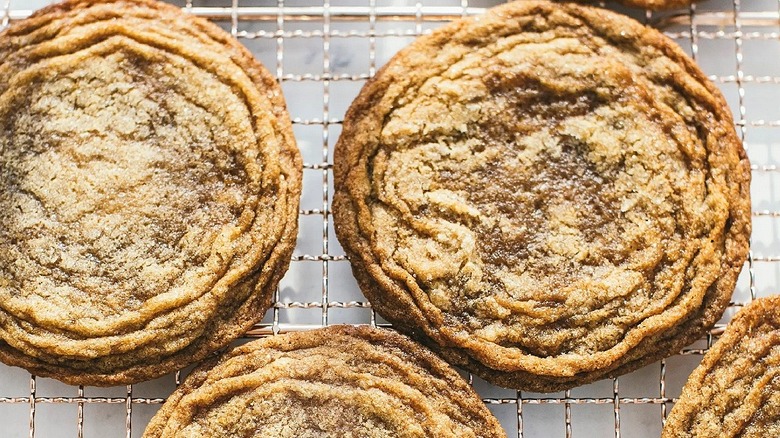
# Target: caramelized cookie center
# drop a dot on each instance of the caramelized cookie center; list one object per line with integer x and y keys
{"x": 527, "y": 189}
{"x": 118, "y": 179}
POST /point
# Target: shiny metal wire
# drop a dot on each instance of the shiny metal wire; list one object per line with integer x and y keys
{"x": 690, "y": 28}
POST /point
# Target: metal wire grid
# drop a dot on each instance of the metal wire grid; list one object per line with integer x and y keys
{"x": 271, "y": 31}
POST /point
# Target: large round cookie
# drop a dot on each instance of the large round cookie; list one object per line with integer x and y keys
{"x": 340, "y": 381}
{"x": 735, "y": 391}
{"x": 546, "y": 195}
{"x": 149, "y": 190}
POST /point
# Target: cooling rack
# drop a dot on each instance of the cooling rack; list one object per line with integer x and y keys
{"x": 322, "y": 52}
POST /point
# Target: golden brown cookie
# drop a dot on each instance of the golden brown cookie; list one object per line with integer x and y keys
{"x": 341, "y": 381}
{"x": 546, "y": 195}
{"x": 735, "y": 391}
{"x": 149, "y": 190}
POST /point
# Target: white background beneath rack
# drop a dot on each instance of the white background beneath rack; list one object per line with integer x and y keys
{"x": 323, "y": 51}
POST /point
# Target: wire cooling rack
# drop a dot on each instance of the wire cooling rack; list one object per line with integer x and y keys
{"x": 322, "y": 52}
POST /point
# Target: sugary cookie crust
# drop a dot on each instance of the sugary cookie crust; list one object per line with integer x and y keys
{"x": 546, "y": 195}
{"x": 150, "y": 190}
{"x": 341, "y": 381}
{"x": 735, "y": 391}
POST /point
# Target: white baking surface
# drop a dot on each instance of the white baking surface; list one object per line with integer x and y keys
{"x": 322, "y": 62}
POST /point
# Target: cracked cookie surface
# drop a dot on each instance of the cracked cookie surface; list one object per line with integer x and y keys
{"x": 340, "y": 381}
{"x": 546, "y": 195}
{"x": 735, "y": 391}
{"x": 150, "y": 189}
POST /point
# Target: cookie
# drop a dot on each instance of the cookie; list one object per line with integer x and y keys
{"x": 341, "y": 381}
{"x": 149, "y": 191}
{"x": 735, "y": 391}
{"x": 546, "y": 195}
